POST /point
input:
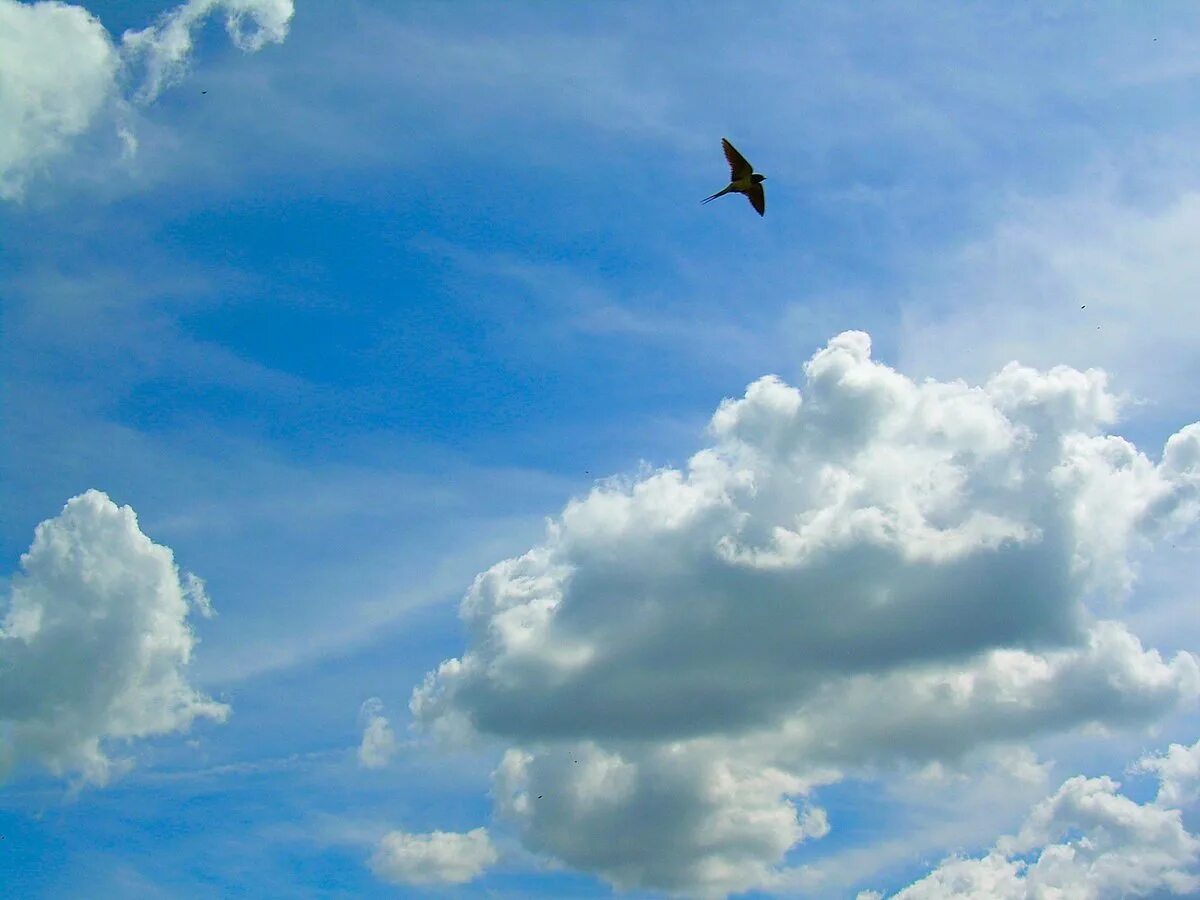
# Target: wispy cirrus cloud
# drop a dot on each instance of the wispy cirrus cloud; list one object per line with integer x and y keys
{"x": 1092, "y": 275}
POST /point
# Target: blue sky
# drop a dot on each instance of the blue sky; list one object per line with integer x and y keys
{"x": 347, "y": 316}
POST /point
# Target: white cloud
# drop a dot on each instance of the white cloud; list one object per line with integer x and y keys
{"x": 440, "y": 857}
{"x": 1178, "y": 773}
{"x": 688, "y": 816}
{"x": 166, "y": 47}
{"x": 1087, "y": 841}
{"x": 94, "y": 642}
{"x": 863, "y": 572}
{"x": 59, "y": 71}
{"x": 378, "y": 741}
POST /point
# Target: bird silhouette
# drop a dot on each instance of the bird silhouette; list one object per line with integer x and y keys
{"x": 742, "y": 180}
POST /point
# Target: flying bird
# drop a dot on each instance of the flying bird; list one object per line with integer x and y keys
{"x": 742, "y": 180}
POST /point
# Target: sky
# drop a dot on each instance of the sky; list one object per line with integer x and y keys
{"x": 408, "y": 488}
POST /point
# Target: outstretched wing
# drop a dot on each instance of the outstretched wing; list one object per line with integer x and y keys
{"x": 757, "y": 198}
{"x": 738, "y": 167}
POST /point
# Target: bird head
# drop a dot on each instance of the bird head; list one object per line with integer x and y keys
{"x": 759, "y": 179}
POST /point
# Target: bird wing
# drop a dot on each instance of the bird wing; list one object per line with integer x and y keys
{"x": 738, "y": 167}
{"x": 757, "y": 198}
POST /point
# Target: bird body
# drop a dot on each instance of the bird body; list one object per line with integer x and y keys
{"x": 742, "y": 180}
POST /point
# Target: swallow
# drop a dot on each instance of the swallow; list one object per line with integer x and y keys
{"x": 742, "y": 180}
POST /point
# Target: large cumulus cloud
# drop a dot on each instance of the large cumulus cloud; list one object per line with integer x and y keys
{"x": 861, "y": 571}
{"x": 94, "y": 643}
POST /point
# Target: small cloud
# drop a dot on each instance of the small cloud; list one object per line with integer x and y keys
{"x": 1178, "y": 771}
{"x": 440, "y": 857}
{"x": 378, "y": 741}
{"x": 129, "y": 142}
{"x": 197, "y": 596}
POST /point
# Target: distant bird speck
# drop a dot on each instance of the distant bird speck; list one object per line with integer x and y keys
{"x": 742, "y": 180}
{"x": 1084, "y": 306}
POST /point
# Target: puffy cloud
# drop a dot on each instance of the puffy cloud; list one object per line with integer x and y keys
{"x": 862, "y": 571}
{"x": 438, "y": 858}
{"x": 165, "y": 47}
{"x": 1178, "y": 772}
{"x": 94, "y": 642}
{"x": 685, "y": 817}
{"x": 58, "y": 69}
{"x": 1087, "y": 841}
{"x": 378, "y": 740}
